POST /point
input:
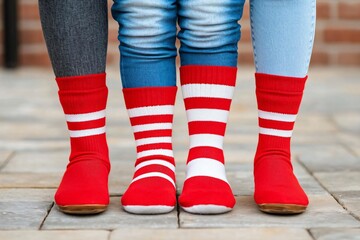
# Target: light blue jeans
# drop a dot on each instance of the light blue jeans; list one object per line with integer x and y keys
{"x": 282, "y": 34}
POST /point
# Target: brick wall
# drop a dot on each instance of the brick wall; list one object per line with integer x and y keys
{"x": 337, "y": 35}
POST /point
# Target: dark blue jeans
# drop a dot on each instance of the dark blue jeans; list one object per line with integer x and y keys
{"x": 209, "y": 33}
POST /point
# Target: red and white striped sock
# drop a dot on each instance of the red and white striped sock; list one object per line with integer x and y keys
{"x": 152, "y": 190}
{"x": 207, "y": 92}
{"x": 278, "y": 100}
{"x": 85, "y": 181}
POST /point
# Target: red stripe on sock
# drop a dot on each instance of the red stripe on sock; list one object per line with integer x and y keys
{"x": 151, "y": 119}
{"x": 207, "y": 127}
{"x": 153, "y": 133}
{"x": 154, "y": 146}
{"x": 265, "y": 123}
{"x": 155, "y": 157}
{"x": 208, "y": 74}
{"x": 211, "y": 103}
{"x": 149, "y": 96}
{"x": 206, "y": 152}
{"x": 79, "y": 102}
{"x": 86, "y": 125}
{"x": 155, "y": 168}
{"x": 81, "y": 83}
{"x": 272, "y": 102}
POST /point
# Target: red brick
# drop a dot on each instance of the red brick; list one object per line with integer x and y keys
{"x": 320, "y": 58}
{"x": 27, "y": 36}
{"x": 246, "y": 11}
{"x": 349, "y": 58}
{"x": 323, "y": 10}
{"x": 349, "y": 10}
{"x": 28, "y": 11}
{"x": 246, "y": 57}
{"x": 245, "y": 34}
{"x": 35, "y": 59}
{"x": 342, "y": 35}
{"x": 113, "y": 34}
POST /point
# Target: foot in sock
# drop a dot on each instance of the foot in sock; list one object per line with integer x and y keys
{"x": 84, "y": 186}
{"x": 207, "y": 92}
{"x": 276, "y": 188}
{"x": 152, "y": 190}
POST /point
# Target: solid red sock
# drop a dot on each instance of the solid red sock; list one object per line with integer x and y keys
{"x": 152, "y": 190}
{"x": 278, "y": 99}
{"x": 85, "y": 181}
{"x": 207, "y": 92}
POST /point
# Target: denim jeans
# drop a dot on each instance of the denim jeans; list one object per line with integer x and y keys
{"x": 209, "y": 33}
{"x": 282, "y": 34}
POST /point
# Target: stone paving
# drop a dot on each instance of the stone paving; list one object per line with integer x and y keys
{"x": 326, "y": 156}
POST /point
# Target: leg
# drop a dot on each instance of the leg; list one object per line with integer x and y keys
{"x": 147, "y": 32}
{"x": 283, "y": 33}
{"x": 209, "y": 36}
{"x": 76, "y": 37}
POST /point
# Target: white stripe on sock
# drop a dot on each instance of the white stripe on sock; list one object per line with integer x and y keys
{"x": 207, "y": 90}
{"x": 154, "y": 174}
{"x": 85, "y": 116}
{"x": 151, "y": 126}
{"x": 155, "y": 162}
{"x": 206, "y": 140}
{"x": 150, "y": 140}
{"x": 275, "y": 132}
{"x": 206, "y": 167}
{"x": 161, "y": 152}
{"x": 206, "y": 114}
{"x": 277, "y": 116}
{"x": 87, "y": 132}
{"x": 151, "y": 110}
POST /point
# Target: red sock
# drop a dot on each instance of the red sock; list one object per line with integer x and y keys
{"x": 278, "y": 100}
{"x": 152, "y": 189}
{"x": 207, "y": 92}
{"x": 85, "y": 181}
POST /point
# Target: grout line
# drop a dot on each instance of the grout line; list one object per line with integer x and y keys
{"x": 320, "y": 183}
{"x": 178, "y": 211}
{"x": 47, "y": 214}
{"x": 310, "y": 233}
{"x": 109, "y": 234}
{"x": 7, "y": 160}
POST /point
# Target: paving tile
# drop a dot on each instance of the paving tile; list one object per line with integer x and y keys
{"x": 113, "y": 218}
{"x": 22, "y": 215}
{"x": 26, "y": 195}
{"x": 349, "y": 200}
{"x": 120, "y": 176}
{"x": 348, "y": 121}
{"x": 23, "y": 208}
{"x": 336, "y": 234}
{"x": 38, "y": 162}
{"x": 32, "y": 130}
{"x": 212, "y": 234}
{"x": 327, "y": 158}
{"x": 29, "y": 180}
{"x": 39, "y": 144}
{"x": 340, "y": 181}
{"x": 55, "y": 235}
{"x": 323, "y": 211}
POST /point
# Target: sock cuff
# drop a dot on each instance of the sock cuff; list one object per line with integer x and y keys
{"x": 149, "y": 96}
{"x": 222, "y": 75}
{"x": 277, "y": 83}
{"x": 80, "y": 83}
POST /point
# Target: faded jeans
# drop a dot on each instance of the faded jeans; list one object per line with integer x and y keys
{"x": 282, "y": 36}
